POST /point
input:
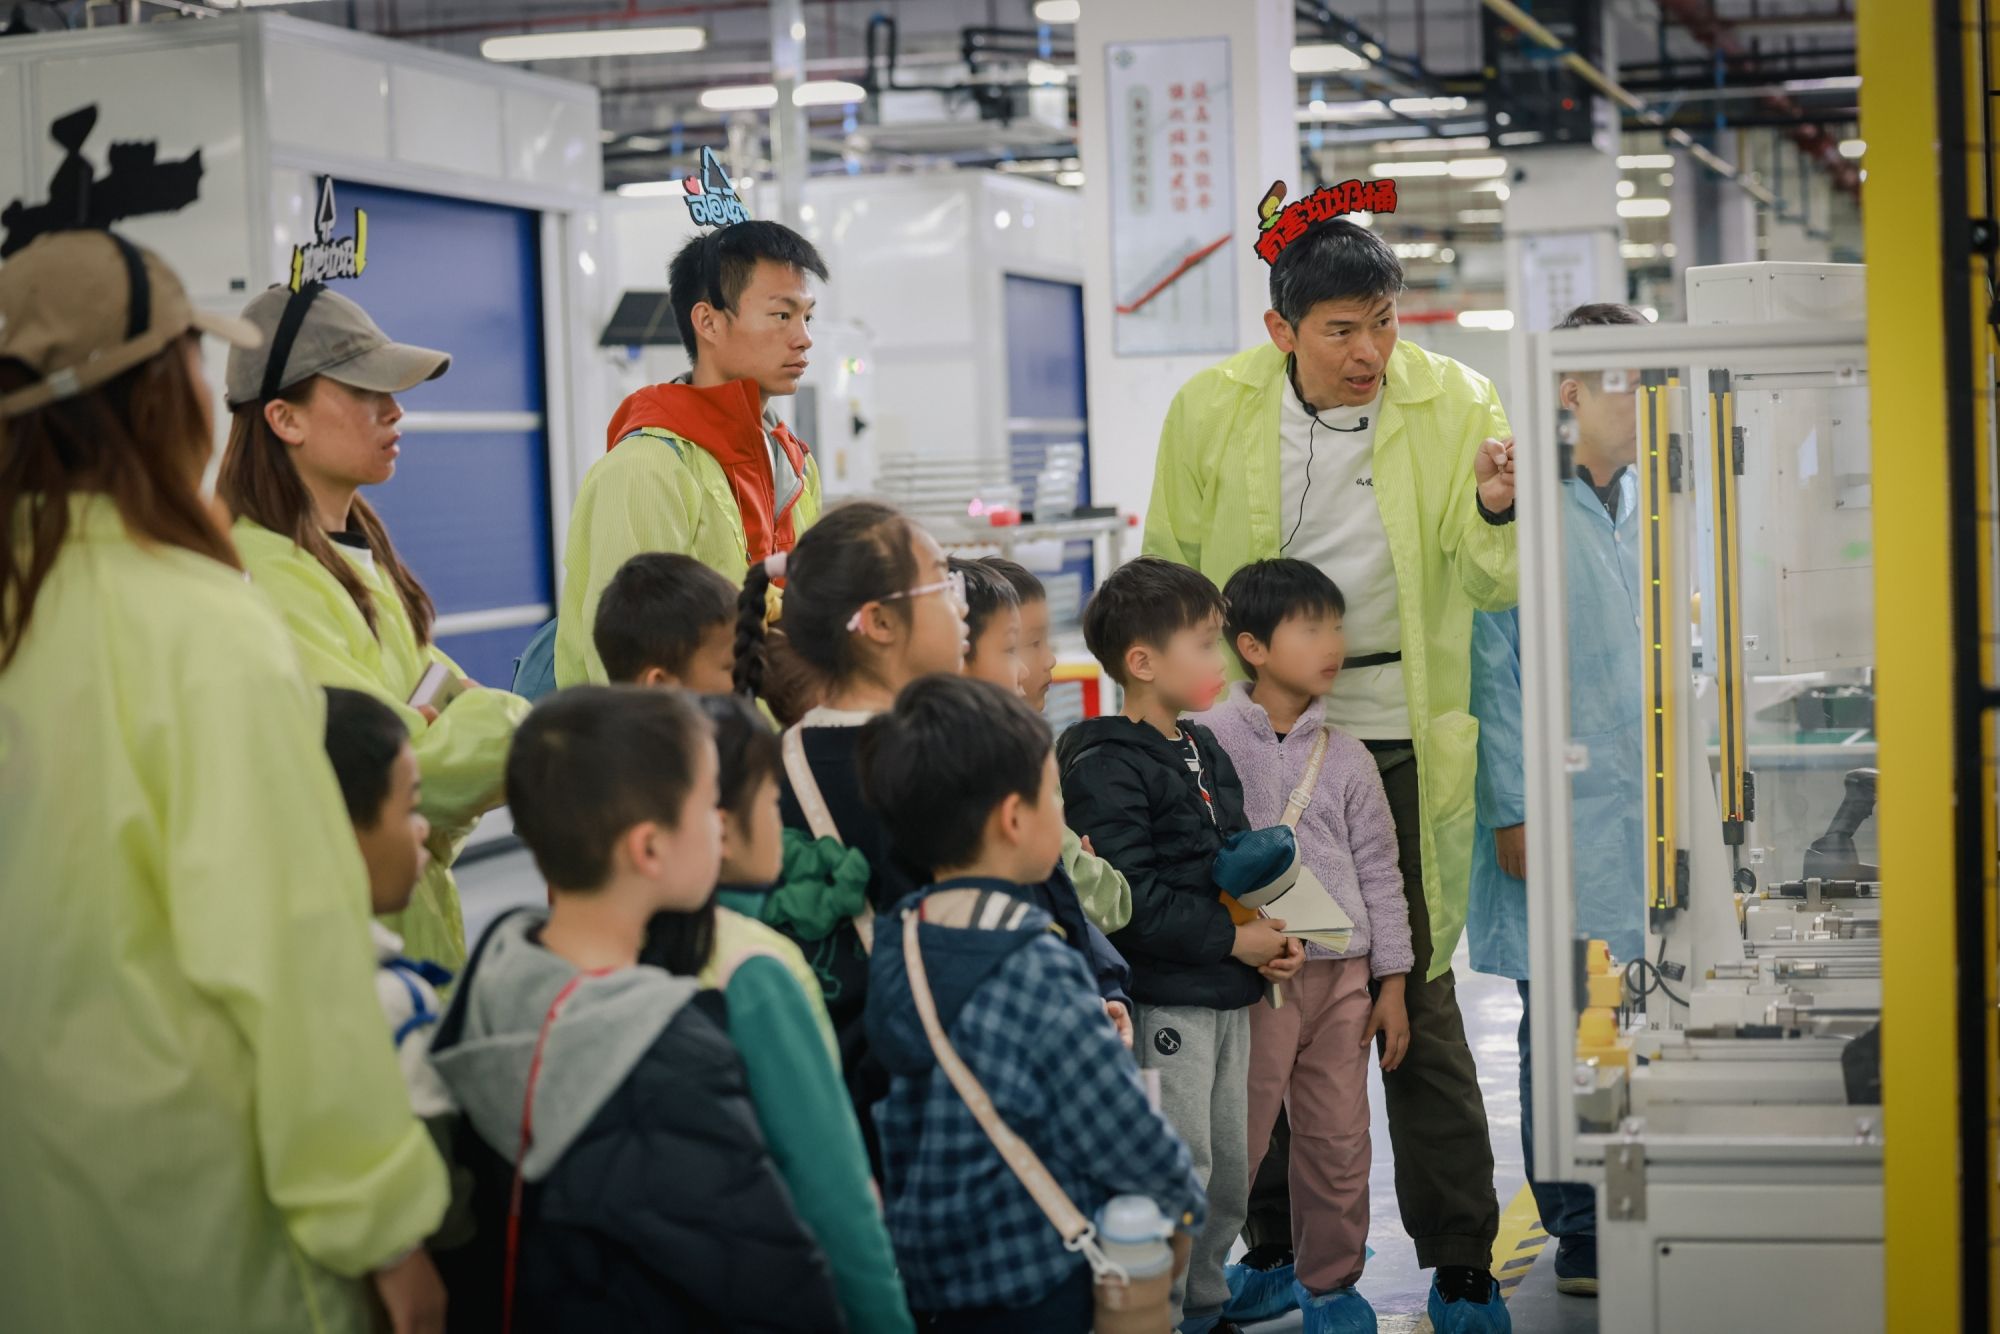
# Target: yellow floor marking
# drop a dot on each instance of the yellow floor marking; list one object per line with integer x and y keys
{"x": 1520, "y": 1242}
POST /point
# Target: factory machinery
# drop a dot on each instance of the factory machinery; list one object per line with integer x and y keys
{"x": 1722, "y": 1088}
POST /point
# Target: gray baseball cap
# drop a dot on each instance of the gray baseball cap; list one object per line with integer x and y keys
{"x": 334, "y": 338}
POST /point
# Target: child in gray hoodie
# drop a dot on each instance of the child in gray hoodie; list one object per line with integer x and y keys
{"x": 1310, "y": 1053}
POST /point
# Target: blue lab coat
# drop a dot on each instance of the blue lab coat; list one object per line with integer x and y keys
{"x": 1606, "y": 717}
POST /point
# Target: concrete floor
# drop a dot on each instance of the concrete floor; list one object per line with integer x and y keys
{"x": 1393, "y": 1283}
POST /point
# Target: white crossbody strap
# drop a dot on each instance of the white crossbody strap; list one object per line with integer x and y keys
{"x": 1077, "y": 1232}
{"x": 820, "y": 820}
{"x": 1302, "y": 795}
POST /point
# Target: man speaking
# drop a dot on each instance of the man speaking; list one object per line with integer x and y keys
{"x": 1392, "y": 470}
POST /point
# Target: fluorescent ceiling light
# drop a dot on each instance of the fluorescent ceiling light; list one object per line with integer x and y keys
{"x": 1853, "y": 147}
{"x": 1436, "y": 168}
{"x": 1626, "y": 189}
{"x": 1476, "y": 168}
{"x": 1057, "y": 11}
{"x": 649, "y": 189}
{"x": 1070, "y": 178}
{"x": 1638, "y": 250}
{"x": 825, "y": 93}
{"x": 1326, "y": 58}
{"x": 1319, "y": 110}
{"x": 1415, "y": 249}
{"x": 1644, "y": 208}
{"x": 1516, "y": 138}
{"x": 1041, "y": 74}
{"x": 1426, "y": 106}
{"x": 1426, "y": 145}
{"x": 585, "y": 42}
{"x": 1499, "y": 320}
{"x": 1496, "y": 188}
{"x": 1637, "y": 161}
{"x": 1481, "y": 216}
{"x": 645, "y": 143}
{"x": 746, "y": 97}
{"x": 1848, "y": 84}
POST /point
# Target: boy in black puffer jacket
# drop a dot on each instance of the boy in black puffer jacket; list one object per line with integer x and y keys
{"x": 1157, "y": 797}
{"x": 649, "y": 1199}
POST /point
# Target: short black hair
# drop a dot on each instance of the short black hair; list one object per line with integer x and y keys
{"x": 936, "y": 765}
{"x": 747, "y": 748}
{"x": 716, "y": 266}
{"x": 987, "y": 593}
{"x": 1593, "y": 314}
{"x": 1335, "y": 261}
{"x": 1027, "y": 588}
{"x": 1603, "y": 312}
{"x": 748, "y": 752}
{"x": 1144, "y": 602}
{"x": 363, "y": 738}
{"x": 591, "y": 762}
{"x": 1265, "y": 594}
{"x": 655, "y": 611}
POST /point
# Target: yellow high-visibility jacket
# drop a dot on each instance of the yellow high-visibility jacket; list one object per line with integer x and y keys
{"x": 203, "y": 1125}
{"x": 462, "y": 757}
{"x": 1216, "y": 507}
{"x": 666, "y": 485}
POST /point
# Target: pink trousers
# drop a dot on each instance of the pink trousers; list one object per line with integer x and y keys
{"x": 1307, "y": 1056}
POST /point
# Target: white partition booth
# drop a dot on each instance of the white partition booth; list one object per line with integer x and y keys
{"x": 1714, "y": 1085}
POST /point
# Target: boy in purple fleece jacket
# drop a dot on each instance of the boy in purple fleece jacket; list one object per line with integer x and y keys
{"x": 1311, "y": 1053}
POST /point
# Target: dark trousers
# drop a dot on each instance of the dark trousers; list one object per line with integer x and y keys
{"x": 1437, "y": 1115}
{"x": 1069, "y": 1309}
{"x": 1568, "y": 1208}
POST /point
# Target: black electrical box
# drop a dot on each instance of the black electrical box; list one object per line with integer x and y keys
{"x": 1529, "y": 91}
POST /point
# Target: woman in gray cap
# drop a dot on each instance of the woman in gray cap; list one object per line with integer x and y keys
{"x": 315, "y": 421}
{"x": 202, "y": 1126}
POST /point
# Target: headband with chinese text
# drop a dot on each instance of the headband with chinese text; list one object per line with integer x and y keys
{"x": 1278, "y": 227}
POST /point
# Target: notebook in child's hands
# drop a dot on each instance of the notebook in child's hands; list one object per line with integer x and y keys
{"x": 1308, "y": 911}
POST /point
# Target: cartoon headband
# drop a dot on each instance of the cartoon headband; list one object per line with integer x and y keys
{"x": 1279, "y": 227}
{"x": 711, "y": 196}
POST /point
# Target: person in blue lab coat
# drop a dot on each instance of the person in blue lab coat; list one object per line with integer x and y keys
{"x": 1600, "y": 503}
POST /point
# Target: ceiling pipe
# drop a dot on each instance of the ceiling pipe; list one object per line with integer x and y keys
{"x": 631, "y": 10}
{"x": 1624, "y": 97}
{"x": 1817, "y": 144}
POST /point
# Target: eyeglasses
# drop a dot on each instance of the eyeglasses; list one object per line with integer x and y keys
{"x": 953, "y": 583}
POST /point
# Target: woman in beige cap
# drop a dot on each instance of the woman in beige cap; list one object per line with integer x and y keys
{"x": 202, "y": 1127}
{"x": 315, "y": 422}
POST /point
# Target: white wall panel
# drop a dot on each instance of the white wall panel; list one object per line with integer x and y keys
{"x": 326, "y": 100}
{"x": 18, "y": 179}
{"x": 185, "y": 97}
{"x": 552, "y": 142}
{"x": 440, "y": 120}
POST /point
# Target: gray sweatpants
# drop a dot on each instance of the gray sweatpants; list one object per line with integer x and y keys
{"x": 1203, "y": 1057}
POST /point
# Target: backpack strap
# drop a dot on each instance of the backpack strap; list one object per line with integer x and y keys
{"x": 1302, "y": 795}
{"x": 820, "y": 820}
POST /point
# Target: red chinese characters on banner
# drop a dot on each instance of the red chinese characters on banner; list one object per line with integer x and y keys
{"x": 1191, "y": 106}
{"x": 1327, "y": 202}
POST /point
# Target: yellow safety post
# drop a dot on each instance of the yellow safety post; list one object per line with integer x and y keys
{"x": 1915, "y": 707}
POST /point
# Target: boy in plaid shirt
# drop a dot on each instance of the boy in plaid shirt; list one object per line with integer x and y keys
{"x": 963, "y": 774}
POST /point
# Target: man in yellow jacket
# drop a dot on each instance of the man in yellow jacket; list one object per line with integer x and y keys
{"x": 1392, "y": 470}
{"x": 703, "y": 466}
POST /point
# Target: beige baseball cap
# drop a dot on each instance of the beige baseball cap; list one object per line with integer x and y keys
{"x": 79, "y": 308}
{"x": 330, "y": 336}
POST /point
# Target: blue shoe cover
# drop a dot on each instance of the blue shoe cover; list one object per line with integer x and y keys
{"x": 1467, "y": 1315}
{"x": 1258, "y": 1294}
{"x": 1342, "y": 1311}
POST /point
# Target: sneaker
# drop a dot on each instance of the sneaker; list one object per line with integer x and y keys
{"x": 1342, "y": 1311}
{"x": 1260, "y": 1288}
{"x": 1576, "y": 1266}
{"x": 1463, "y": 1301}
